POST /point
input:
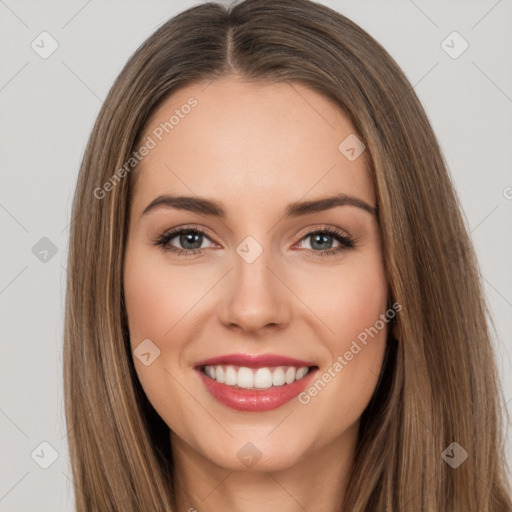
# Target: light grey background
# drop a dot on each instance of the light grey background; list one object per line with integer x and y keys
{"x": 48, "y": 107}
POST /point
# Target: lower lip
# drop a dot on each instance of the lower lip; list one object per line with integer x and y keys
{"x": 255, "y": 400}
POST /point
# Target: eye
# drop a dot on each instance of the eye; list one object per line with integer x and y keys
{"x": 322, "y": 239}
{"x": 192, "y": 238}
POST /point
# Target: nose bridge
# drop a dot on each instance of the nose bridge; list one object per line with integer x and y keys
{"x": 256, "y": 295}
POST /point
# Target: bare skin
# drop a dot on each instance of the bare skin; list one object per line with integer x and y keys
{"x": 256, "y": 148}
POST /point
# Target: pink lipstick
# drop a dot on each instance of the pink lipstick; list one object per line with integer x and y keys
{"x": 255, "y": 382}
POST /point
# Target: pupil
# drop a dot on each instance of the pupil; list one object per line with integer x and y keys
{"x": 188, "y": 238}
{"x": 321, "y": 239}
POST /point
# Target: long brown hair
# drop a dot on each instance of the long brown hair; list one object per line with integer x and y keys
{"x": 439, "y": 382}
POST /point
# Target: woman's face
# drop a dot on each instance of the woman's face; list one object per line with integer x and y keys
{"x": 263, "y": 290}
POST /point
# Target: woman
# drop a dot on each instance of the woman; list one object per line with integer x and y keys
{"x": 324, "y": 346}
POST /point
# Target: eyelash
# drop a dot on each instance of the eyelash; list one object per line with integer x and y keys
{"x": 346, "y": 242}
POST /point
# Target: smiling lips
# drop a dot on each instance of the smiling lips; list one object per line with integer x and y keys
{"x": 255, "y": 383}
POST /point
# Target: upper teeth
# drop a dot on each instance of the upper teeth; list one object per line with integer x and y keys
{"x": 260, "y": 378}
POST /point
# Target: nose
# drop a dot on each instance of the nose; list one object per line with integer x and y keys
{"x": 257, "y": 297}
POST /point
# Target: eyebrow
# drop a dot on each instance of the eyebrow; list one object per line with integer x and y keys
{"x": 213, "y": 208}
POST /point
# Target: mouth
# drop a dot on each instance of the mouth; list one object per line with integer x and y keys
{"x": 255, "y": 378}
{"x": 255, "y": 383}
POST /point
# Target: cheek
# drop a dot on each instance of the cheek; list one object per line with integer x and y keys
{"x": 157, "y": 299}
{"x": 352, "y": 303}
{"x": 157, "y": 295}
{"x": 362, "y": 300}
{"x": 346, "y": 299}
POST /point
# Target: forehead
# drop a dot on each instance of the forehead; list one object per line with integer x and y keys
{"x": 234, "y": 139}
